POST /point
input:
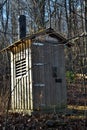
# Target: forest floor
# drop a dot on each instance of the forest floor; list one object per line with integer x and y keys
{"x": 43, "y": 121}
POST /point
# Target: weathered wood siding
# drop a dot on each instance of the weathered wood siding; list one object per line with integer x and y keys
{"x": 48, "y": 89}
{"x": 38, "y": 74}
{"x": 21, "y": 77}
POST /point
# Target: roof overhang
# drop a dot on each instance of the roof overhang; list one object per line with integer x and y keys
{"x": 50, "y": 32}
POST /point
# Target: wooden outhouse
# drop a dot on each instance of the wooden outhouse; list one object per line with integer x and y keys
{"x": 38, "y": 72}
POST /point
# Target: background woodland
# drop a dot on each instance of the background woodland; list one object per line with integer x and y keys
{"x": 67, "y": 17}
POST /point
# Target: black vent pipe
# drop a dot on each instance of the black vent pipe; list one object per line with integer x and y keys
{"x": 22, "y": 26}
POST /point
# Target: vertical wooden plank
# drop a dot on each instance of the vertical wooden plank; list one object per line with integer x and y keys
{"x": 28, "y": 91}
{"x": 18, "y": 98}
{"x": 30, "y": 76}
{"x": 23, "y": 94}
{"x": 25, "y": 91}
{"x": 27, "y": 75}
{"x": 18, "y": 94}
{"x": 12, "y": 80}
